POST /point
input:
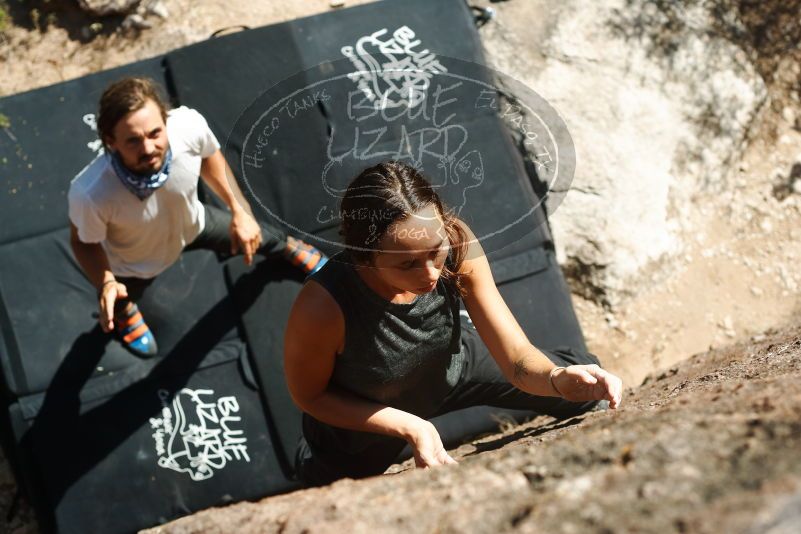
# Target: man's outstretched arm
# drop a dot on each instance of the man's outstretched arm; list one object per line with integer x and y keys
{"x": 218, "y": 175}
{"x": 94, "y": 262}
{"x": 245, "y": 231}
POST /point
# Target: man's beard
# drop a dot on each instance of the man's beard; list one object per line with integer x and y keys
{"x": 143, "y": 167}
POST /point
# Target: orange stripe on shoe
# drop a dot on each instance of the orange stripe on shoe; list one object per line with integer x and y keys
{"x": 313, "y": 262}
{"x": 300, "y": 258}
{"x": 136, "y": 333}
{"x": 133, "y": 319}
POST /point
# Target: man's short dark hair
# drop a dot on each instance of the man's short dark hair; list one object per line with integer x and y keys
{"x": 123, "y": 97}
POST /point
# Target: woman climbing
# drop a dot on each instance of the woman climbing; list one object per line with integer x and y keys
{"x": 375, "y": 344}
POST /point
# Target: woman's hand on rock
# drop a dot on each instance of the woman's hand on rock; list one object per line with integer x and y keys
{"x": 588, "y": 382}
{"x": 427, "y": 447}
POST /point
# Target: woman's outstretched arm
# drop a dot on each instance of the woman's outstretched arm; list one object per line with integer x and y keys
{"x": 314, "y": 335}
{"x": 523, "y": 364}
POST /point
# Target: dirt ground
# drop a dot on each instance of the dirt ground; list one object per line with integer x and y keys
{"x": 737, "y": 279}
{"x": 736, "y": 282}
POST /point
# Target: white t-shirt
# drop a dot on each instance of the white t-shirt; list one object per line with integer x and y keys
{"x": 144, "y": 237}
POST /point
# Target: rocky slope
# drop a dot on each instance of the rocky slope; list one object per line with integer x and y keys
{"x": 711, "y": 445}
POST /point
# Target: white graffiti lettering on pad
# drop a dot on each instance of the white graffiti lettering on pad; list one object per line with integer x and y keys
{"x": 392, "y": 71}
{"x": 95, "y": 146}
{"x": 196, "y": 434}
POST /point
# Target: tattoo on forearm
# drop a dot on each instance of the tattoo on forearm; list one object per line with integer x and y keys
{"x": 520, "y": 369}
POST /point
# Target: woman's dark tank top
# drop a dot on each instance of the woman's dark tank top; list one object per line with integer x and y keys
{"x": 407, "y": 356}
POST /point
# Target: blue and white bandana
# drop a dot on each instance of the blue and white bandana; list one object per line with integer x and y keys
{"x": 142, "y": 185}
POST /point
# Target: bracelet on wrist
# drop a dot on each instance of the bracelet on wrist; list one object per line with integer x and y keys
{"x": 550, "y": 380}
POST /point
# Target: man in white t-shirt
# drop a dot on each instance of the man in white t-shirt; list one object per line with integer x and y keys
{"x": 135, "y": 207}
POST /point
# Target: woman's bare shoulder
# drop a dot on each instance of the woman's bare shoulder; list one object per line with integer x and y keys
{"x": 473, "y": 250}
{"x": 314, "y": 335}
{"x": 317, "y": 307}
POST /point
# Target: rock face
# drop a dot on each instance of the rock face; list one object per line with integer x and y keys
{"x": 658, "y": 100}
{"x": 712, "y": 445}
{"x": 108, "y": 7}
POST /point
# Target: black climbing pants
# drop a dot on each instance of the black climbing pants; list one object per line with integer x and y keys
{"x": 214, "y": 236}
